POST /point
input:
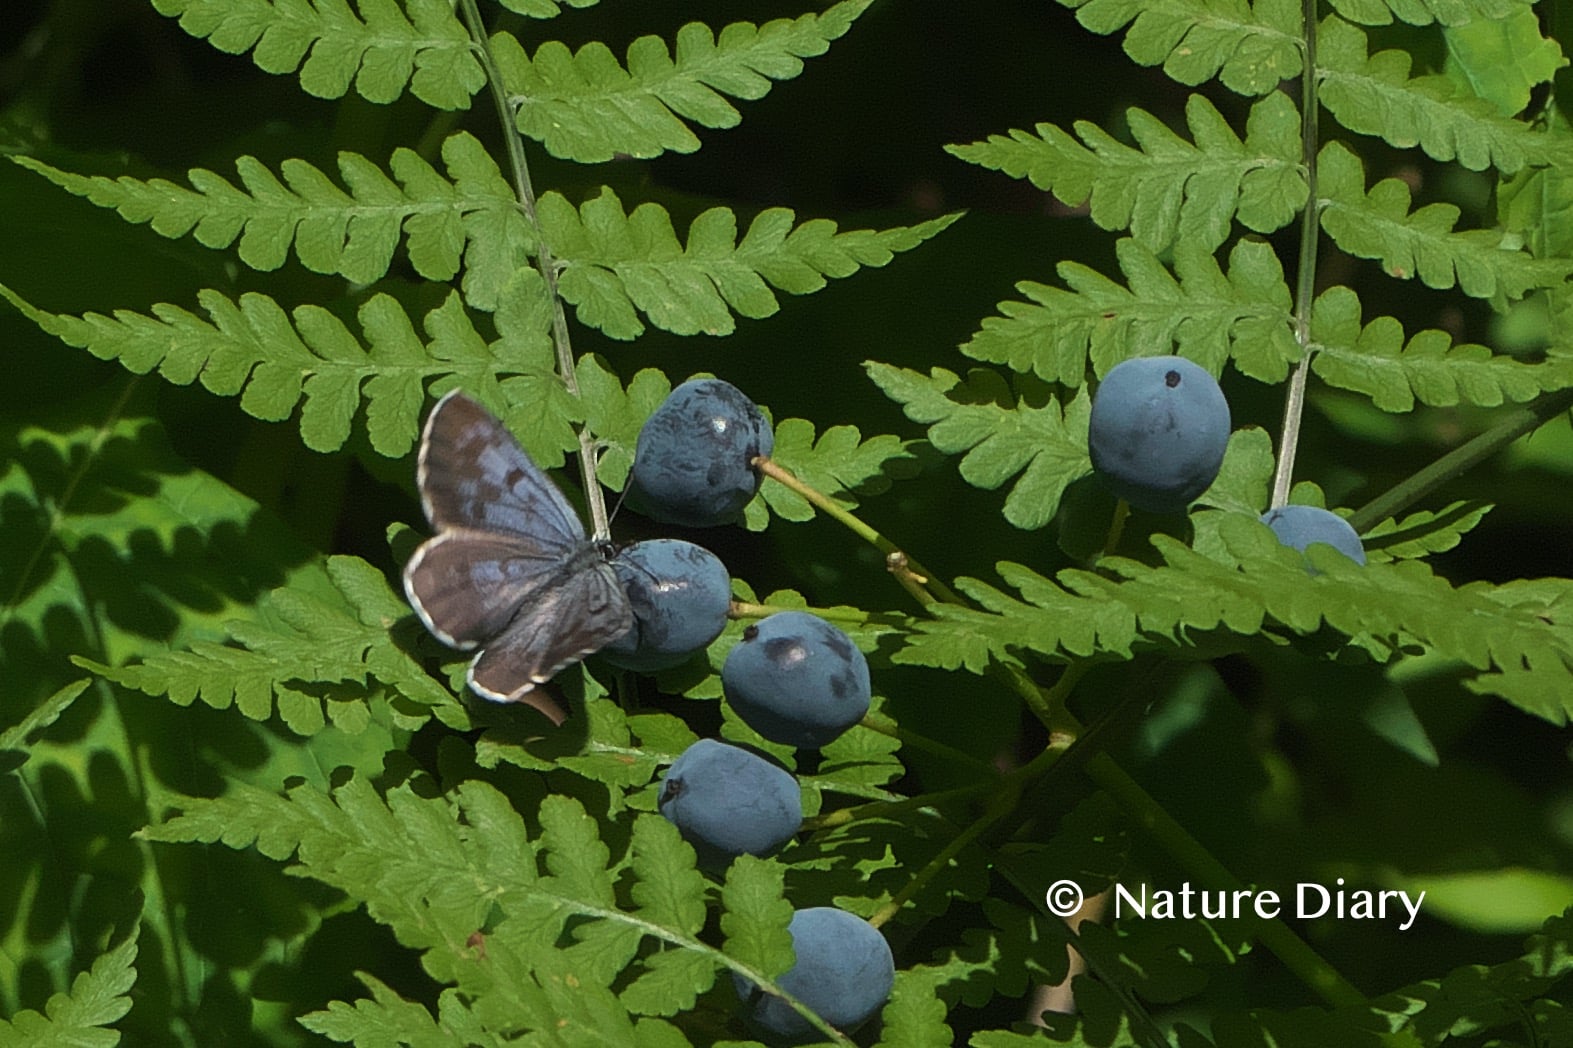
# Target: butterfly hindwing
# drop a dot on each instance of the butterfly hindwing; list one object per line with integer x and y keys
{"x": 578, "y": 618}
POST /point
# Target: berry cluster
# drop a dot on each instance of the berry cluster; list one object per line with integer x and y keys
{"x": 794, "y": 678}
{"x": 1157, "y": 436}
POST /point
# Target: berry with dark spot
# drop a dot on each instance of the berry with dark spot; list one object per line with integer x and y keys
{"x": 727, "y": 801}
{"x": 693, "y": 465}
{"x": 796, "y": 679}
{"x": 1158, "y": 432}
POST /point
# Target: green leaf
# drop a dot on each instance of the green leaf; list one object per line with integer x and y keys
{"x": 1374, "y": 359}
{"x": 1166, "y": 190}
{"x": 419, "y": 45}
{"x": 1516, "y": 641}
{"x": 384, "y": 1018}
{"x": 1425, "y": 531}
{"x": 354, "y": 232}
{"x": 1380, "y": 225}
{"x": 310, "y": 656}
{"x": 914, "y": 1017}
{"x": 840, "y": 464}
{"x": 1375, "y": 95}
{"x": 81, "y": 1018}
{"x": 1198, "y": 312}
{"x": 1249, "y": 47}
{"x": 1002, "y": 434}
{"x": 618, "y": 265}
{"x": 586, "y": 106}
{"x": 1425, "y": 12}
{"x": 276, "y": 360}
{"x": 13, "y": 740}
{"x": 1503, "y": 58}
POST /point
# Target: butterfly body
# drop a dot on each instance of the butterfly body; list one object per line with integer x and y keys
{"x": 510, "y": 570}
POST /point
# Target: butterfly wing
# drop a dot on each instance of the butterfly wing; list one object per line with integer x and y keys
{"x": 472, "y": 473}
{"x": 583, "y": 612}
{"x": 510, "y": 567}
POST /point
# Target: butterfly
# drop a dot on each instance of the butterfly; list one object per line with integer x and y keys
{"x": 510, "y": 570}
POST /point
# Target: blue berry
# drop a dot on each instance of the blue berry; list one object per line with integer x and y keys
{"x": 727, "y": 801}
{"x": 1158, "y": 431}
{"x": 844, "y": 972}
{"x": 796, "y": 679}
{"x": 693, "y": 465}
{"x": 680, "y": 594}
{"x": 1300, "y": 526}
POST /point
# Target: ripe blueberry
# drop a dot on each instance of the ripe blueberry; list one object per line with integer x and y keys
{"x": 680, "y": 594}
{"x": 796, "y": 679}
{"x": 727, "y": 801}
{"x": 844, "y": 972}
{"x": 1300, "y": 526}
{"x": 1158, "y": 431}
{"x": 693, "y": 463}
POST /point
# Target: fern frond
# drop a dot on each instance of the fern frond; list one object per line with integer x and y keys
{"x": 1166, "y": 189}
{"x": 1383, "y": 607}
{"x": 618, "y": 265}
{"x": 914, "y": 1017}
{"x": 1373, "y": 359}
{"x": 999, "y": 432}
{"x": 13, "y": 740}
{"x": 1201, "y": 312}
{"x": 1375, "y": 95}
{"x": 98, "y": 998}
{"x": 388, "y": 47}
{"x": 1425, "y": 12}
{"x": 584, "y": 105}
{"x": 1424, "y": 532}
{"x": 385, "y": 1018}
{"x": 436, "y": 870}
{"x": 306, "y": 653}
{"x": 308, "y": 357}
{"x": 1378, "y": 224}
{"x": 1249, "y": 47}
{"x": 469, "y": 213}
{"x": 840, "y": 463}
{"x": 544, "y": 8}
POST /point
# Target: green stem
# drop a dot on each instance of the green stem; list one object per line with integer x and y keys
{"x": 545, "y": 262}
{"x": 923, "y": 584}
{"x": 1514, "y": 424}
{"x": 1305, "y": 275}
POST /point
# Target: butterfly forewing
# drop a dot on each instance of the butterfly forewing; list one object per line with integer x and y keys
{"x": 474, "y": 474}
{"x": 510, "y": 569}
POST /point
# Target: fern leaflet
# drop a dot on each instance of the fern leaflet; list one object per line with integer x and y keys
{"x": 1425, "y": 532}
{"x": 1425, "y": 12}
{"x": 1249, "y": 47}
{"x": 585, "y": 106}
{"x": 1378, "y": 224}
{"x": 420, "y": 45}
{"x": 1374, "y": 359}
{"x": 438, "y": 869}
{"x": 617, "y": 265}
{"x": 278, "y": 360}
{"x": 306, "y": 653}
{"x": 98, "y": 998}
{"x": 1385, "y": 608}
{"x": 840, "y": 463}
{"x": 1375, "y": 95}
{"x": 1166, "y": 189}
{"x": 1001, "y": 433}
{"x": 1206, "y": 315}
{"x": 354, "y": 233}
